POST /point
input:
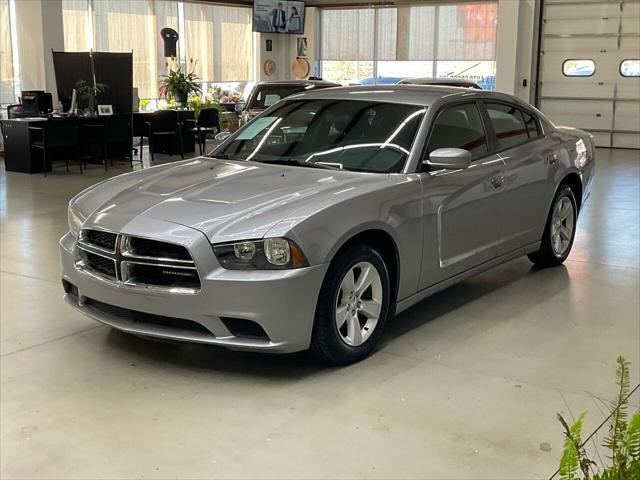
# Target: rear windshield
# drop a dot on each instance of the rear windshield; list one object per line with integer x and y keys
{"x": 268, "y": 95}
{"x": 346, "y": 134}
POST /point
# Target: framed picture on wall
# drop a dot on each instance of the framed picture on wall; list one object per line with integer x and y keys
{"x": 302, "y": 46}
{"x": 105, "y": 110}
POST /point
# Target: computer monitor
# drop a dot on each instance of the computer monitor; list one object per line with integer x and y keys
{"x": 37, "y": 102}
{"x": 73, "y": 108}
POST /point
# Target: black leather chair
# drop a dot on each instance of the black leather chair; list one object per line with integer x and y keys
{"x": 140, "y": 129}
{"x": 94, "y": 139}
{"x": 208, "y": 123}
{"x": 164, "y": 125}
{"x": 14, "y": 111}
{"x": 57, "y": 134}
{"x": 119, "y": 133}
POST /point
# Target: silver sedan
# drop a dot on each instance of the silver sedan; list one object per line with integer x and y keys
{"x": 333, "y": 210}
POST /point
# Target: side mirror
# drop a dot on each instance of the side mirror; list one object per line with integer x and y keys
{"x": 222, "y": 136}
{"x": 449, "y": 158}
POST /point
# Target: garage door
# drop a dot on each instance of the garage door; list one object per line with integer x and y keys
{"x": 590, "y": 68}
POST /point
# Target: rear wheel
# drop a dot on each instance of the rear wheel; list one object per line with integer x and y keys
{"x": 559, "y": 231}
{"x": 353, "y": 306}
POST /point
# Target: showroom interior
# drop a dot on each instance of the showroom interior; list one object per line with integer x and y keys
{"x": 120, "y": 100}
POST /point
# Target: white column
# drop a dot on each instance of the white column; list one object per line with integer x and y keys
{"x": 507, "y": 45}
{"x": 39, "y": 29}
{"x": 514, "y": 49}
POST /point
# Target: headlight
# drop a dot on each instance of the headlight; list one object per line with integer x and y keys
{"x": 581, "y": 154}
{"x": 75, "y": 221}
{"x": 267, "y": 254}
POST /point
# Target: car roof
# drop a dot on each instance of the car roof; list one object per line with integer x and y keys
{"x": 319, "y": 83}
{"x": 425, "y": 95}
{"x": 438, "y": 81}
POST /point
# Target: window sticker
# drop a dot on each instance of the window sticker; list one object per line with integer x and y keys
{"x": 255, "y": 127}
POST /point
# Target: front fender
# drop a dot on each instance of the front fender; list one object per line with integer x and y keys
{"x": 395, "y": 209}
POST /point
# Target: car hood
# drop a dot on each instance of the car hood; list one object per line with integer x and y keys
{"x": 226, "y": 200}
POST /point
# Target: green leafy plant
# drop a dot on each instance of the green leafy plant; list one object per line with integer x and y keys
{"x": 87, "y": 95}
{"x": 197, "y": 103}
{"x": 179, "y": 83}
{"x": 622, "y": 440}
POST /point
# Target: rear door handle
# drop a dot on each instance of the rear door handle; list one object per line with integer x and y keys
{"x": 497, "y": 181}
{"x": 552, "y": 158}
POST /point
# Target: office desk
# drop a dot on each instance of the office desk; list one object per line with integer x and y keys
{"x": 18, "y": 156}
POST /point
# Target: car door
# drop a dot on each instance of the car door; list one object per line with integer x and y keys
{"x": 462, "y": 209}
{"x": 530, "y": 165}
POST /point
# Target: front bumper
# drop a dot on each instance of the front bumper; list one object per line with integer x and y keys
{"x": 281, "y": 302}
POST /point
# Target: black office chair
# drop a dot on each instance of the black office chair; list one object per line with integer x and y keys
{"x": 94, "y": 139}
{"x": 208, "y": 123}
{"x": 119, "y": 132}
{"x": 57, "y": 134}
{"x": 164, "y": 124}
{"x": 140, "y": 129}
{"x": 14, "y": 111}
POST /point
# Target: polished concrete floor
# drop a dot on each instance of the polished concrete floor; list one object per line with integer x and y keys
{"x": 465, "y": 385}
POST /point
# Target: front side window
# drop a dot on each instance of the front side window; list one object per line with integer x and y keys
{"x": 459, "y": 126}
{"x": 578, "y": 67}
{"x": 353, "y": 135}
{"x": 630, "y": 67}
{"x": 508, "y": 125}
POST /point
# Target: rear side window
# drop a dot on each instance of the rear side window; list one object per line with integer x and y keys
{"x": 508, "y": 125}
{"x": 578, "y": 67}
{"x": 459, "y": 126}
{"x": 531, "y": 124}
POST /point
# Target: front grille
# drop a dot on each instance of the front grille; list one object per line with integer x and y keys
{"x": 168, "y": 276}
{"x": 105, "y": 240}
{"x": 142, "y": 318}
{"x": 144, "y": 247}
{"x": 138, "y": 262}
{"x": 105, "y": 266}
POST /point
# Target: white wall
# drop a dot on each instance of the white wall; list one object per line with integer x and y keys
{"x": 285, "y": 49}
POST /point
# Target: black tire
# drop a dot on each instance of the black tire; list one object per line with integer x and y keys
{"x": 326, "y": 342}
{"x": 547, "y": 255}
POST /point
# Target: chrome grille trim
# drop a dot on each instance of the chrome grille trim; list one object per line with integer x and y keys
{"x": 123, "y": 257}
{"x": 86, "y": 242}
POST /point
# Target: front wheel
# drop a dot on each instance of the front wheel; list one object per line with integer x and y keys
{"x": 559, "y": 231}
{"x": 353, "y": 306}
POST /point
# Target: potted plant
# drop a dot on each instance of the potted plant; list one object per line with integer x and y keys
{"x": 180, "y": 83}
{"x": 87, "y": 95}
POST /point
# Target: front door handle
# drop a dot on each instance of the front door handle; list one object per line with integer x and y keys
{"x": 497, "y": 181}
{"x": 552, "y": 158}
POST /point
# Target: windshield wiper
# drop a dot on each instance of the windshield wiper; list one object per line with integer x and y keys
{"x": 299, "y": 163}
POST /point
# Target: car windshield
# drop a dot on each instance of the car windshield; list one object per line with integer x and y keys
{"x": 353, "y": 135}
{"x": 267, "y": 95}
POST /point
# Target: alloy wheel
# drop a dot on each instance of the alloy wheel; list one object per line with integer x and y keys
{"x": 562, "y": 225}
{"x": 358, "y": 303}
